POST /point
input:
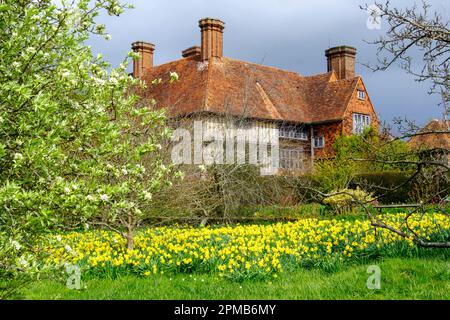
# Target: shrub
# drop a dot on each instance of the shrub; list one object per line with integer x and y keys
{"x": 333, "y": 174}
{"x": 347, "y": 199}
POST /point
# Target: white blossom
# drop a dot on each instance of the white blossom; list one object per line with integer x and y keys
{"x": 147, "y": 195}
{"x": 31, "y": 50}
{"x": 18, "y": 156}
{"x": 98, "y": 81}
{"x": 117, "y": 10}
{"x": 104, "y": 197}
{"x": 66, "y": 74}
{"x": 23, "y": 262}
{"x": 174, "y": 76}
{"x": 140, "y": 168}
{"x": 16, "y": 245}
{"x": 113, "y": 81}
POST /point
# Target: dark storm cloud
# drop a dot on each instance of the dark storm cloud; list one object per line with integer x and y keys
{"x": 289, "y": 34}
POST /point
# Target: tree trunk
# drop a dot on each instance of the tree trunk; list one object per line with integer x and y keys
{"x": 130, "y": 233}
{"x": 130, "y": 239}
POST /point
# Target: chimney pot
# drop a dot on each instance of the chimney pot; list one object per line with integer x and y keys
{"x": 212, "y": 38}
{"x": 145, "y": 63}
{"x": 342, "y": 61}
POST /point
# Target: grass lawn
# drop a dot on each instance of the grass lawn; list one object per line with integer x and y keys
{"x": 401, "y": 278}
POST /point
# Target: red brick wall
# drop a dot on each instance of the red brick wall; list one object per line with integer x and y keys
{"x": 359, "y": 106}
{"x": 330, "y": 131}
{"x": 333, "y": 130}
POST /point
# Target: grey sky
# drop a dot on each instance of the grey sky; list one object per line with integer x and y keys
{"x": 289, "y": 34}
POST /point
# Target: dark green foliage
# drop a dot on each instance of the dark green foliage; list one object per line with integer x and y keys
{"x": 392, "y": 187}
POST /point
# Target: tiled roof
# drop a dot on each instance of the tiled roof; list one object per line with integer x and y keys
{"x": 245, "y": 89}
{"x": 438, "y": 138}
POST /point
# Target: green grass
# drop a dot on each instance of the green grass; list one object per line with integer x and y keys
{"x": 406, "y": 278}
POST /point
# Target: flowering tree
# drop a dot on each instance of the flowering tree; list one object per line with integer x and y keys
{"x": 75, "y": 144}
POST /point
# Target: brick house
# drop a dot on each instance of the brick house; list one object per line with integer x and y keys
{"x": 309, "y": 111}
{"x": 433, "y": 141}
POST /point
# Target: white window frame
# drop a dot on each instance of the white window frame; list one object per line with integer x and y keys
{"x": 291, "y": 159}
{"x": 361, "y": 94}
{"x": 295, "y": 133}
{"x": 319, "y": 142}
{"x": 360, "y": 122}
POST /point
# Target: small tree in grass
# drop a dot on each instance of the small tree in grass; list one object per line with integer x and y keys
{"x": 132, "y": 172}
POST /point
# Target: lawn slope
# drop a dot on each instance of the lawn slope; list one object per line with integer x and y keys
{"x": 407, "y": 278}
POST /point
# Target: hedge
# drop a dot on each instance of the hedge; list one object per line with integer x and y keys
{"x": 378, "y": 182}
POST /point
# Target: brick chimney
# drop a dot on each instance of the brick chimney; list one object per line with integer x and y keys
{"x": 195, "y": 51}
{"x": 145, "y": 63}
{"x": 212, "y": 38}
{"x": 342, "y": 61}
